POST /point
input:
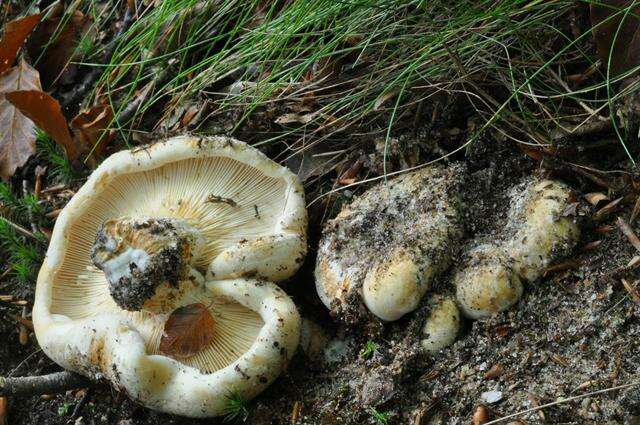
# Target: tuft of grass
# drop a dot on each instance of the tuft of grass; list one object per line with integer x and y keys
{"x": 381, "y": 418}
{"x": 237, "y": 409}
{"x": 369, "y": 349}
{"x": 362, "y": 65}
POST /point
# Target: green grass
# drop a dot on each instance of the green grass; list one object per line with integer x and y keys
{"x": 381, "y": 418}
{"x": 237, "y": 409}
{"x": 369, "y": 349}
{"x": 346, "y": 57}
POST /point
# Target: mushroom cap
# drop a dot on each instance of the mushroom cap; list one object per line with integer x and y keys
{"x": 485, "y": 283}
{"x": 387, "y": 246}
{"x": 235, "y": 197}
{"x": 442, "y": 325}
{"x": 541, "y": 233}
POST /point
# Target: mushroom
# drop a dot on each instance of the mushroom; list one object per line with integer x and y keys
{"x": 489, "y": 279}
{"x": 387, "y": 246}
{"x": 442, "y": 325}
{"x": 542, "y": 232}
{"x": 133, "y": 247}
{"x": 486, "y": 283}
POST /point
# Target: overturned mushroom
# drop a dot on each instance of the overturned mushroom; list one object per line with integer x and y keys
{"x": 132, "y": 248}
{"x": 386, "y": 247}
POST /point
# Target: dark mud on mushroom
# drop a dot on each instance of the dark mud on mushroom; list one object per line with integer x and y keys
{"x": 574, "y": 331}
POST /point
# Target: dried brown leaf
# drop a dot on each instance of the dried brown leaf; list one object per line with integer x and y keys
{"x": 91, "y": 126}
{"x": 629, "y": 233}
{"x": 632, "y": 290}
{"x": 594, "y": 198}
{"x": 17, "y": 131}
{"x": 187, "y": 331}
{"x": 617, "y": 33}
{"x": 14, "y": 35}
{"x": 4, "y": 407}
{"x": 55, "y": 42}
{"x": 45, "y": 111}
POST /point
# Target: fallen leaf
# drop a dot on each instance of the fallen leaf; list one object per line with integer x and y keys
{"x": 381, "y": 100}
{"x": 45, "y": 111}
{"x": 187, "y": 331}
{"x": 3, "y": 411}
{"x": 54, "y": 43}
{"x": 17, "y": 132}
{"x": 594, "y": 198}
{"x": 616, "y": 33}
{"x": 14, "y": 35}
{"x": 90, "y": 127}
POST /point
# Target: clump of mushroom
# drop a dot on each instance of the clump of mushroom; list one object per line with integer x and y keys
{"x": 384, "y": 250}
{"x": 537, "y": 233}
{"x": 187, "y": 225}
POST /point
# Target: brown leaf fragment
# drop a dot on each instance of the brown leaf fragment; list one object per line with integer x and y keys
{"x": 45, "y": 111}
{"x": 594, "y": 198}
{"x": 188, "y": 330}
{"x": 495, "y": 371}
{"x": 4, "y": 407}
{"x": 90, "y": 128}
{"x": 480, "y": 416}
{"x": 17, "y": 131}
{"x": 608, "y": 209}
{"x": 54, "y": 43}
{"x": 616, "y": 30}
{"x": 15, "y": 32}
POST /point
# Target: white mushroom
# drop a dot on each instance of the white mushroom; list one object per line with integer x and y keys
{"x": 387, "y": 246}
{"x": 133, "y": 245}
{"x": 537, "y": 232}
{"x": 485, "y": 283}
{"x": 541, "y": 233}
{"x": 442, "y": 325}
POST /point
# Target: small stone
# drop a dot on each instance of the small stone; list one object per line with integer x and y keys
{"x": 491, "y": 397}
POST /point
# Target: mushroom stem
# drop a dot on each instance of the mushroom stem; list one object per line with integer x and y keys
{"x": 137, "y": 255}
{"x": 44, "y": 384}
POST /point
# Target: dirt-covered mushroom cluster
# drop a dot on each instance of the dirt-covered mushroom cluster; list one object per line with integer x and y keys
{"x": 381, "y": 255}
{"x": 205, "y": 222}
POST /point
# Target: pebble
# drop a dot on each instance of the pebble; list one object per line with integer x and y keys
{"x": 491, "y": 397}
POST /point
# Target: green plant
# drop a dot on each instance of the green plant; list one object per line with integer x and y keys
{"x": 237, "y": 409}
{"x": 381, "y": 418}
{"x": 64, "y": 408}
{"x": 369, "y": 349}
{"x": 60, "y": 168}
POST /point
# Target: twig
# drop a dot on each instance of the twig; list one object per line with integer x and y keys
{"x": 629, "y": 233}
{"x": 80, "y": 405}
{"x": 20, "y": 229}
{"x": 566, "y": 400}
{"x": 44, "y": 384}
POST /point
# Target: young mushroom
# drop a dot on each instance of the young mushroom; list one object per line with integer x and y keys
{"x": 125, "y": 269}
{"x": 386, "y": 247}
{"x": 489, "y": 279}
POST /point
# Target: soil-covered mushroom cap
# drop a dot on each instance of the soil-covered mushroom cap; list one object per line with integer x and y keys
{"x": 485, "y": 282}
{"x": 387, "y": 246}
{"x": 541, "y": 230}
{"x": 133, "y": 245}
{"x": 442, "y": 325}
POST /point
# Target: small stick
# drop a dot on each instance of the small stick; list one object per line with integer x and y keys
{"x": 44, "y": 384}
{"x": 562, "y": 401}
{"x": 629, "y": 233}
{"x": 80, "y": 405}
{"x": 23, "y": 337}
{"x": 632, "y": 290}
